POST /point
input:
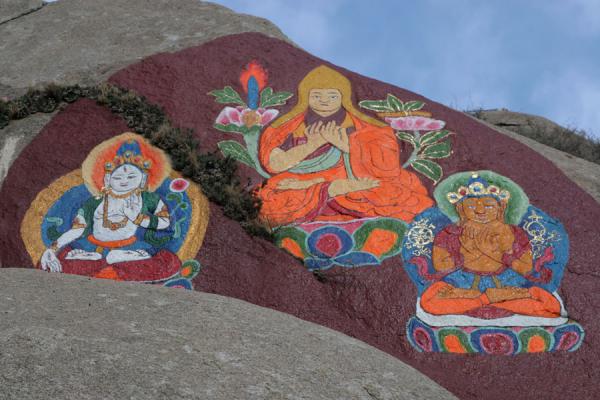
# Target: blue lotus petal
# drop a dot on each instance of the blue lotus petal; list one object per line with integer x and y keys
{"x": 356, "y": 259}
{"x": 179, "y": 283}
{"x": 316, "y": 263}
{"x": 345, "y": 239}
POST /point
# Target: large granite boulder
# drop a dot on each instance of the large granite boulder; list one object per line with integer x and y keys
{"x": 67, "y": 337}
{"x": 375, "y": 300}
{"x": 13, "y": 9}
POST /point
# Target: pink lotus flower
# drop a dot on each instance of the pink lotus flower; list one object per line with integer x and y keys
{"x": 178, "y": 185}
{"x": 415, "y": 123}
{"x": 245, "y": 116}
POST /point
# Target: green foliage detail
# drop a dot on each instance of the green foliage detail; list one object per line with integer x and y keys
{"x": 270, "y": 99}
{"x": 391, "y": 104}
{"x": 394, "y": 103}
{"x": 233, "y": 149}
{"x": 230, "y": 128}
{"x": 438, "y": 150}
{"x": 434, "y": 136}
{"x": 52, "y": 233}
{"x": 413, "y": 105}
{"x": 407, "y": 137}
{"x": 375, "y": 105}
{"x": 175, "y": 197}
{"x": 430, "y": 169}
{"x": 227, "y": 95}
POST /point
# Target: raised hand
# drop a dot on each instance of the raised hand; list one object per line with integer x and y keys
{"x": 313, "y": 135}
{"x": 132, "y": 207}
{"x": 336, "y": 135}
{"x": 50, "y": 262}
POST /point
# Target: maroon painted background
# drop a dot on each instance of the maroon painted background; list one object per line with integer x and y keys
{"x": 373, "y": 303}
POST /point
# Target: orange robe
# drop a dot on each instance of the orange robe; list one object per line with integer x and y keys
{"x": 374, "y": 153}
{"x": 541, "y": 303}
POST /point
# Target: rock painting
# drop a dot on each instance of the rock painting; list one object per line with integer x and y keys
{"x": 125, "y": 215}
{"x": 487, "y": 266}
{"x": 248, "y": 118}
{"x": 336, "y": 191}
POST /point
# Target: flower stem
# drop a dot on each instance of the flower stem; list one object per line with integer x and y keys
{"x": 415, "y": 152}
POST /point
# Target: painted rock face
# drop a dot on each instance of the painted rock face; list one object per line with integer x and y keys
{"x": 359, "y": 205}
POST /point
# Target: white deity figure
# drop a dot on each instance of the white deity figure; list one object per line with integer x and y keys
{"x": 109, "y": 223}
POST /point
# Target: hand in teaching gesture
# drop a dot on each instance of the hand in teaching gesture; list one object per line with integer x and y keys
{"x": 313, "y": 135}
{"x": 336, "y": 135}
{"x": 132, "y": 207}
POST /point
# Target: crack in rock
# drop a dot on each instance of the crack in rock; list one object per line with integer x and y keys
{"x": 31, "y": 11}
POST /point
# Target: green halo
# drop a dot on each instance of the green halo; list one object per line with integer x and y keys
{"x": 517, "y": 204}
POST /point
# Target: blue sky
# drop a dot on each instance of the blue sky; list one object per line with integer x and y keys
{"x": 535, "y": 56}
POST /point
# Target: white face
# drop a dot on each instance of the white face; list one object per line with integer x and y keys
{"x": 126, "y": 178}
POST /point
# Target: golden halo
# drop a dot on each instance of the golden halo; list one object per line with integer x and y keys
{"x": 93, "y": 166}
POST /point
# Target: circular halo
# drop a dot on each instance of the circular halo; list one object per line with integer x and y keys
{"x": 93, "y": 166}
{"x": 517, "y": 204}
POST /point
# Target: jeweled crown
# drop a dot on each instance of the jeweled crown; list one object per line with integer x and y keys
{"x": 128, "y": 153}
{"x": 478, "y": 187}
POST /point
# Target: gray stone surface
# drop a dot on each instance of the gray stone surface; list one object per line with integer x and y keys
{"x": 70, "y": 337}
{"x": 11, "y": 9}
{"x": 517, "y": 122}
{"x": 85, "y": 41}
{"x": 16, "y": 136}
{"x": 585, "y": 173}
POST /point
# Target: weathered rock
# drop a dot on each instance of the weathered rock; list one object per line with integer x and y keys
{"x": 85, "y": 41}
{"x": 68, "y": 337}
{"x": 585, "y": 173}
{"x": 517, "y": 122}
{"x": 12, "y": 9}
{"x": 370, "y": 303}
{"x": 18, "y": 135}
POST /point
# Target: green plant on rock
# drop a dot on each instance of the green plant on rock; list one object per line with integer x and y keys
{"x": 217, "y": 176}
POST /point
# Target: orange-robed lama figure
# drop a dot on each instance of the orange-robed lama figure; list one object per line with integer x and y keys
{"x": 330, "y": 162}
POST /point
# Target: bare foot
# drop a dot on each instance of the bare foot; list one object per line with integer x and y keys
{"x": 115, "y": 256}
{"x": 79, "y": 254}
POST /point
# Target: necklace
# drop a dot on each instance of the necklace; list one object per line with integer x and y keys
{"x": 113, "y": 226}
{"x": 108, "y": 191}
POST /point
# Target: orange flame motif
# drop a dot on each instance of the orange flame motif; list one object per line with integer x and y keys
{"x": 257, "y": 71}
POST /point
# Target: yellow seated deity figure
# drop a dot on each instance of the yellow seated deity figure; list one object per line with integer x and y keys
{"x": 485, "y": 260}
